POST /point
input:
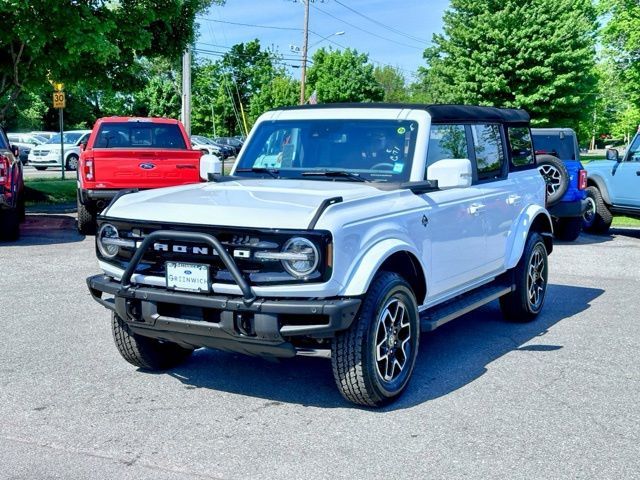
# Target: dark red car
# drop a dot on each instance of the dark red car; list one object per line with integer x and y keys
{"x": 11, "y": 190}
{"x": 132, "y": 153}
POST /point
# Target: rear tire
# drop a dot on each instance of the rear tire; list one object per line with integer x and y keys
{"x": 373, "y": 360}
{"x": 146, "y": 353}
{"x": 72, "y": 162}
{"x": 530, "y": 277}
{"x": 86, "y": 219}
{"x": 10, "y": 224}
{"x": 598, "y": 217}
{"x": 555, "y": 175}
{"x": 568, "y": 228}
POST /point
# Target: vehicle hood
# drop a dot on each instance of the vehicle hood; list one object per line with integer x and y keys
{"x": 600, "y": 165}
{"x": 249, "y": 203}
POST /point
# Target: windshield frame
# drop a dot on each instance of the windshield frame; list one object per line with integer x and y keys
{"x": 352, "y": 145}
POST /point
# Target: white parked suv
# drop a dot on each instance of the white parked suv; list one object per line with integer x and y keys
{"x": 343, "y": 229}
{"x": 48, "y": 154}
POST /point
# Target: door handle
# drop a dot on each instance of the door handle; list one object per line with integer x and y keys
{"x": 476, "y": 208}
{"x": 513, "y": 199}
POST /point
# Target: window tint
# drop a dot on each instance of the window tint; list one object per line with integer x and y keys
{"x": 139, "y": 135}
{"x": 521, "y": 148}
{"x": 487, "y": 145}
{"x": 447, "y": 141}
{"x": 4, "y": 145}
{"x": 634, "y": 149}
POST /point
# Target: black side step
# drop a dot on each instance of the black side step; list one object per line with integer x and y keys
{"x": 437, "y": 316}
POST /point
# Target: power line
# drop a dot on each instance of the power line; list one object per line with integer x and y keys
{"x": 248, "y": 24}
{"x": 387, "y": 27}
{"x": 364, "y": 30}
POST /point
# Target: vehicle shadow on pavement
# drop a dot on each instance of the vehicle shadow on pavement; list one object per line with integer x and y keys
{"x": 449, "y": 358}
{"x": 591, "y": 239}
{"x": 47, "y": 230}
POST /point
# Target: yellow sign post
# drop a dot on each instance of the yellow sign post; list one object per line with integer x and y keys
{"x": 59, "y": 102}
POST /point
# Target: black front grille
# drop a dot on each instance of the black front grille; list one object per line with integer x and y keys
{"x": 241, "y": 244}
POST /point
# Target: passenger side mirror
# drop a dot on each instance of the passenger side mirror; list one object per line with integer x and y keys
{"x": 451, "y": 173}
{"x": 83, "y": 145}
{"x": 16, "y": 150}
{"x": 210, "y": 166}
{"x": 612, "y": 154}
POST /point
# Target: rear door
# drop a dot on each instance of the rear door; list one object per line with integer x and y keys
{"x": 142, "y": 154}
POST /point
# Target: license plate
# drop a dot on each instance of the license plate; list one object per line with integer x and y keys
{"x": 187, "y": 277}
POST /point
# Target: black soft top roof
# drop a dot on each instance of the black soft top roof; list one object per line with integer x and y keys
{"x": 439, "y": 113}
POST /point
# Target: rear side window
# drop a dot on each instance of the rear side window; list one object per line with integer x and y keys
{"x": 4, "y": 144}
{"x": 139, "y": 135}
{"x": 487, "y": 145}
{"x": 521, "y": 147}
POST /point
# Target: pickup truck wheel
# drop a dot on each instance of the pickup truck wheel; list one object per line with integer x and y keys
{"x": 146, "y": 353}
{"x": 568, "y": 229}
{"x": 530, "y": 278}
{"x": 9, "y": 224}
{"x": 555, "y": 175}
{"x": 373, "y": 360}
{"x": 598, "y": 217}
{"x": 72, "y": 162}
{"x": 86, "y": 219}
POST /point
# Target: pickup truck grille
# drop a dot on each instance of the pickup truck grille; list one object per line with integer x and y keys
{"x": 241, "y": 244}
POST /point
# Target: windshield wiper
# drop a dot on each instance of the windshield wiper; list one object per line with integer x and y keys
{"x": 271, "y": 171}
{"x": 334, "y": 173}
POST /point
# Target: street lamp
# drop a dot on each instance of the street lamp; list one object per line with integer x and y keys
{"x": 305, "y": 51}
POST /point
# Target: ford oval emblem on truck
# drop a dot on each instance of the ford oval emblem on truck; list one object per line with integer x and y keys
{"x": 147, "y": 166}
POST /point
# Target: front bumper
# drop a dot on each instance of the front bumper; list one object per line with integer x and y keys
{"x": 568, "y": 209}
{"x": 262, "y": 327}
{"x": 50, "y": 160}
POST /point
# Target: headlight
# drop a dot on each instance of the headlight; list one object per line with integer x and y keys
{"x": 302, "y": 257}
{"x": 106, "y": 244}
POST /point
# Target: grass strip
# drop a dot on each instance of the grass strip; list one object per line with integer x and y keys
{"x": 49, "y": 191}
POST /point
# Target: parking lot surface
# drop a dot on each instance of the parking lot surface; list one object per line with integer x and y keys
{"x": 556, "y": 398}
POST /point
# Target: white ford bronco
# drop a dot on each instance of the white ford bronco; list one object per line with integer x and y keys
{"x": 343, "y": 230}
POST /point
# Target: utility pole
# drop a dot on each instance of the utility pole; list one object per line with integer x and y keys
{"x": 305, "y": 44}
{"x": 186, "y": 90}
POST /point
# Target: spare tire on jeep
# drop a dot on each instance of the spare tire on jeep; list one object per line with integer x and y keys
{"x": 555, "y": 175}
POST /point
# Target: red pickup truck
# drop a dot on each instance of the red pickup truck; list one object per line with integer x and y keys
{"x": 131, "y": 153}
{"x": 11, "y": 190}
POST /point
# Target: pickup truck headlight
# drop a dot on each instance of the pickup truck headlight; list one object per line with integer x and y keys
{"x": 299, "y": 256}
{"x": 106, "y": 244}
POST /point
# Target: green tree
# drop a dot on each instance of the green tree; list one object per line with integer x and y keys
{"x": 92, "y": 41}
{"x": 534, "y": 54}
{"x": 343, "y": 76}
{"x": 621, "y": 37}
{"x": 392, "y": 82}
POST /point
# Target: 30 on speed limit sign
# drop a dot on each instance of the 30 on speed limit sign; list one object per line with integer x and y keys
{"x": 58, "y": 100}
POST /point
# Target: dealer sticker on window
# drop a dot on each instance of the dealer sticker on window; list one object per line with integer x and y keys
{"x": 187, "y": 277}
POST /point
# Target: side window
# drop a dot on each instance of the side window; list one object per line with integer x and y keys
{"x": 487, "y": 144}
{"x": 521, "y": 147}
{"x": 446, "y": 141}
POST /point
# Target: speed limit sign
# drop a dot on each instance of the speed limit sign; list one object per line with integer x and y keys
{"x": 58, "y": 100}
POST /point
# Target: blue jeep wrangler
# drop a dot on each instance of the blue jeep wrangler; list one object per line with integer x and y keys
{"x": 558, "y": 159}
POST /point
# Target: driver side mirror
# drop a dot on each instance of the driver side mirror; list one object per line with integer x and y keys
{"x": 16, "y": 151}
{"x": 612, "y": 154}
{"x": 451, "y": 173}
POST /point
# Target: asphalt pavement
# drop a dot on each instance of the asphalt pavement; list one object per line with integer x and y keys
{"x": 556, "y": 398}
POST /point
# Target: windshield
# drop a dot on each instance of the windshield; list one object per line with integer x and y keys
{"x": 69, "y": 137}
{"x": 370, "y": 150}
{"x": 200, "y": 140}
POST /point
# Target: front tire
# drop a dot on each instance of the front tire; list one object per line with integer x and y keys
{"x": 373, "y": 360}
{"x": 530, "y": 277}
{"x": 146, "y": 353}
{"x": 598, "y": 217}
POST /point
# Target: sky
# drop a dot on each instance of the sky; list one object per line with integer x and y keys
{"x": 390, "y": 32}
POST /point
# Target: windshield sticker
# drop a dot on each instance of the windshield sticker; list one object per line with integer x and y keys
{"x": 398, "y": 167}
{"x": 401, "y": 131}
